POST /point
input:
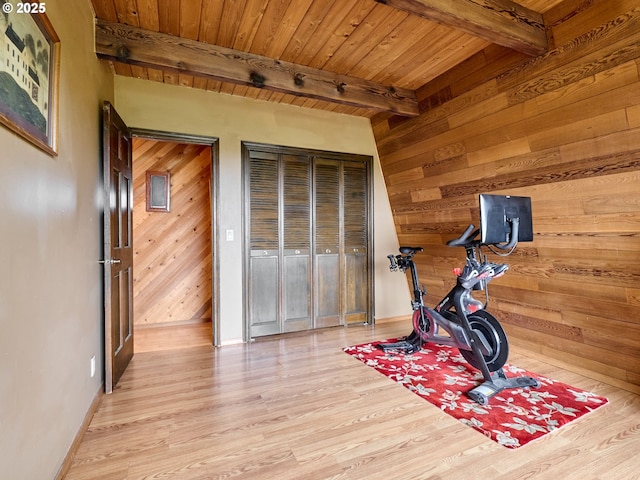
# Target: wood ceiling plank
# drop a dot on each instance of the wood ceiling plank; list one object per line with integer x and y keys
{"x": 168, "y": 77}
{"x": 105, "y": 9}
{"x": 374, "y": 28}
{"x": 252, "y": 16}
{"x": 155, "y": 74}
{"x": 541, "y": 6}
{"x": 210, "y": 20}
{"x": 127, "y": 12}
{"x": 273, "y": 44}
{"x": 139, "y": 72}
{"x": 499, "y": 21}
{"x": 185, "y": 80}
{"x": 190, "y": 14}
{"x": 323, "y": 33}
{"x": 169, "y": 16}
{"x": 451, "y": 54}
{"x": 307, "y": 29}
{"x": 264, "y": 95}
{"x": 408, "y": 36}
{"x": 200, "y": 83}
{"x": 276, "y": 97}
{"x": 122, "y": 69}
{"x": 230, "y": 21}
{"x": 130, "y": 45}
{"x": 298, "y": 101}
{"x": 252, "y": 92}
{"x": 339, "y": 26}
{"x": 226, "y": 87}
{"x": 421, "y": 65}
{"x": 310, "y": 103}
{"x": 213, "y": 85}
{"x": 274, "y": 14}
{"x": 148, "y": 15}
{"x": 240, "y": 90}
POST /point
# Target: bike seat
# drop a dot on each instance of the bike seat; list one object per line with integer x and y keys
{"x": 410, "y": 250}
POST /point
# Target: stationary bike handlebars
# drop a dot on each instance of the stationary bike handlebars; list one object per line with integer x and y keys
{"x": 467, "y": 239}
{"x": 464, "y": 239}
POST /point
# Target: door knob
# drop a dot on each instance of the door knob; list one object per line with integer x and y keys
{"x": 111, "y": 261}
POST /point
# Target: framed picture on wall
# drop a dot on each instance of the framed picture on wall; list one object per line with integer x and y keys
{"x": 29, "y": 74}
{"x": 158, "y": 189}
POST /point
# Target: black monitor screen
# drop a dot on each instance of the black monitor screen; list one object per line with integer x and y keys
{"x": 496, "y": 213}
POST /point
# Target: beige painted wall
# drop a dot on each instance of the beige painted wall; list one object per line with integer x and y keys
{"x": 51, "y": 283}
{"x": 145, "y": 104}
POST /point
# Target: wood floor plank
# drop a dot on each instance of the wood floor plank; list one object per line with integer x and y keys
{"x": 296, "y": 406}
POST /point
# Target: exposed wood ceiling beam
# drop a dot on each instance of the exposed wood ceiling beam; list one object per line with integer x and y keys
{"x": 124, "y": 43}
{"x": 499, "y": 21}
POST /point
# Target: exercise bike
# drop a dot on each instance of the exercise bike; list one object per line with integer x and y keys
{"x": 476, "y": 333}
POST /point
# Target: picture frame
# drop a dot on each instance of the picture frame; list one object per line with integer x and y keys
{"x": 29, "y": 77}
{"x": 158, "y": 190}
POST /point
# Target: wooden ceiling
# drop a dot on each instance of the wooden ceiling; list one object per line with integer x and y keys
{"x": 357, "y": 57}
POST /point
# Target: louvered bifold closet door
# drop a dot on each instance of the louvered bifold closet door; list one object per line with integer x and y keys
{"x": 355, "y": 228}
{"x": 296, "y": 218}
{"x": 307, "y": 225}
{"x": 264, "y": 284}
{"x": 327, "y": 235}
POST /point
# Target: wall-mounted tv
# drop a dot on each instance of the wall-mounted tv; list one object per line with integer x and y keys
{"x": 497, "y": 213}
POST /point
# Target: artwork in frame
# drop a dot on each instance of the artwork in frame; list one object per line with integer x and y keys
{"x": 158, "y": 189}
{"x": 29, "y": 75}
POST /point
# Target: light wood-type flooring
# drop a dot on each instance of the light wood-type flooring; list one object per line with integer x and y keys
{"x": 297, "y": 407}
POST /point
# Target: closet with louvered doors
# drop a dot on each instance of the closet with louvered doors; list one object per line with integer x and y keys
{"x": 307, "y": 237}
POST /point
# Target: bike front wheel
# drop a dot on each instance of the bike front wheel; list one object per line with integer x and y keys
{"x": 423, "y": 325}
{"x": 488, "y": 327}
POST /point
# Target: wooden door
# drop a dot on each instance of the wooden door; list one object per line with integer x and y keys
{"x": 355, "y": 240}
{"x": 296, "y": 243}
{"x": 280, "y": 260}
{"x": 264, "y": 240}
{"x": 118, "y": 246}
{"x": 327, "y": 236}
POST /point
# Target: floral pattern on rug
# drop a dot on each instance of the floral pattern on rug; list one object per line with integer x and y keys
{"x": 513, "y": 417}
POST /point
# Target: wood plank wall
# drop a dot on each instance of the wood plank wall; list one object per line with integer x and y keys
{"x": 564, "y": 129}
{"x": 172, "y": 251}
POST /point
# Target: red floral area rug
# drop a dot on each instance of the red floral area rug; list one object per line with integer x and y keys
{"x": 513, "y": 417}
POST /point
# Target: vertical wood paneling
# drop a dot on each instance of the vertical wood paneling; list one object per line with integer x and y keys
{"x": 172, "y": 259}
{"x": 563, "y": 129}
